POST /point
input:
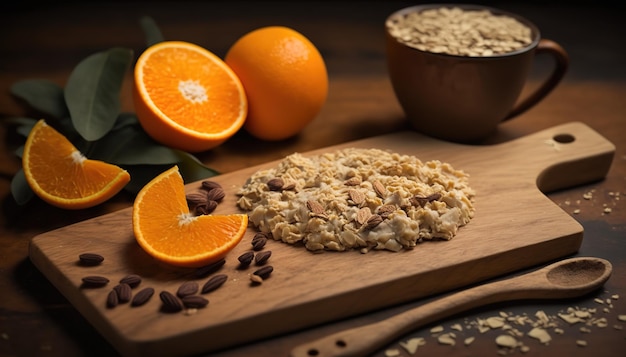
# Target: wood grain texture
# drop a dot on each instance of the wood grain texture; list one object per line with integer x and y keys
{"x": 516, "y": 226}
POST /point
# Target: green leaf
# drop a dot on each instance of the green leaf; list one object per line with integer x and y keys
{"x": 141, "y": 175}
{"x": 22, "y": 193}
{"x": 42, "y": 95}
{"x": 24, "y": 125}
{"x": 93, "y": 92}
{"x": 128, "y": 144}
{"x": 151, "y": 30}
{"x": 192, "y": 169}
{"x": 19, "y": 152}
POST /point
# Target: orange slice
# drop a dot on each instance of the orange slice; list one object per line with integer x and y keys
{"x": 186, "y": 97}
{"x": 60, "y": 175}
{"x": 167, "y": 231}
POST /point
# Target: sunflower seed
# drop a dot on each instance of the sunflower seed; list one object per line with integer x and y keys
{"x": 90, "y": 259}
{"x": 289, "y": 185}
{"x": 196, "y": 198}
{"x": 209, "y": 185}
{"x": 142, "y": 297}
{"x": 132, "y": 280}
{"x": 373, "y": 221}
{"x": 356, "y": 196}
{"x": 216, "y": 194}
{"x": 256, "y": 279}
{"x": 195, "y": 301}
{"x": 385, "y": 210}
{"x": 264, "y": 272}
{"x": 315, "y": 207}
{"x": 208, "y": 269}
{"x": 95, "y": 281}
{"x": 258, "y": 243}
{"x": 353, "y": 181}
{"x": 206, "y": 208}
{"x": 214, "y": 282}
{"x": 423, "y": 200}
{"x": 187, "y": 288}
{"x": 112, "y": 299}
{"x": 380, "y": 189}
{"x": 262, "y": 257}
{"x": 123, "y": 291}
{"x": 363, "y": 215}
{"x": 275, "y": 184}
{"x": 246, "y": 258}
{"x": 170, "y": 302}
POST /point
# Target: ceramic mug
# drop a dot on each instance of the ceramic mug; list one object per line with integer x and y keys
{"x": 464, "y": 98}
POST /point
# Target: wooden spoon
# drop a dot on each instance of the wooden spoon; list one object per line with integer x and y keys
{"x": 565, "y": 279}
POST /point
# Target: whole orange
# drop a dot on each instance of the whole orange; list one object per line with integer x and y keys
{"x": 284, "y": 77}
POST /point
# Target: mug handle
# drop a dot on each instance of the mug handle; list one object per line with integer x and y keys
{"x": 561, "y": 64}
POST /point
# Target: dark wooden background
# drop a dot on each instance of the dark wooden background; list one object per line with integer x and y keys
{"x": 47, "y": 40}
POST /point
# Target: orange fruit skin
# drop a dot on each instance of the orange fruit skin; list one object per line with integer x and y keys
{"x": 54, "y": 175}
{"x": 173, "y": 118}
{"x": 165, "y": 229}
{"x": 285, "y": 79}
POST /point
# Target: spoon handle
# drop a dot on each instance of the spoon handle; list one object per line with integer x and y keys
{"x": 366, "y": 339}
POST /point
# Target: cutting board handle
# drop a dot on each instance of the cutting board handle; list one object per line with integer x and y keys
{"x": 559, "y": 157}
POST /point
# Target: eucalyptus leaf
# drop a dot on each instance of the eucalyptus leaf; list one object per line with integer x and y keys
{"x": 192, "y": 169}
{"x": 22, "y": 193}
{"x": 42, "y": 95}
{"x": 125, "y": 119}
{"x": 130, "y": 145}
{"x": 141, "y": 175}
{"x": 19, "y": 152}
{"x": 24, "y": 125}
{"x": 93, "y": 92}
{"x": 151, "y": 30}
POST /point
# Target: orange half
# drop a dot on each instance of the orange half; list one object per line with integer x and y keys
{"x": 60, "y": 175}
{"x": 167, "y": 231}
{"x": 186, "y": 97}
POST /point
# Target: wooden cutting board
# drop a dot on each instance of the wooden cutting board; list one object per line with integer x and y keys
{"x": 516, "y": 226}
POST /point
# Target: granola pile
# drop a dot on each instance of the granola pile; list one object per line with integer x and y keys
{"x": 358, "y": 199}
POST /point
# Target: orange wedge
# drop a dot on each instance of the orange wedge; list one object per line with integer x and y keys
{"x": 167, "y": 231}
{"x": 60, "y": 175}
{"x": 186, "y": 97}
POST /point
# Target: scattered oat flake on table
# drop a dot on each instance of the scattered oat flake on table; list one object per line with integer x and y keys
{"x": 412, "y": 344}
{"x": 506, "y": 341}
{"x": 468, "y": 341}
{"x": 622, "y": 318}
{"x": 495, "y": 322}
{"x": 436, "y": 329}
{"x": 581, "y": 343}
{"x": 540, "y": 334}
{"x": 392, "y": 352}
{"x": 570, "y": 318}
{"x": 447, "y": 339}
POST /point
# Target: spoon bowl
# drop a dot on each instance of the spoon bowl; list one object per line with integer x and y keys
{"x": 567, "y": 278}
{"x": 584, "y": 274}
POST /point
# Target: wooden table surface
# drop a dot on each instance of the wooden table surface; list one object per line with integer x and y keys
{"x": 47, "y": 41}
